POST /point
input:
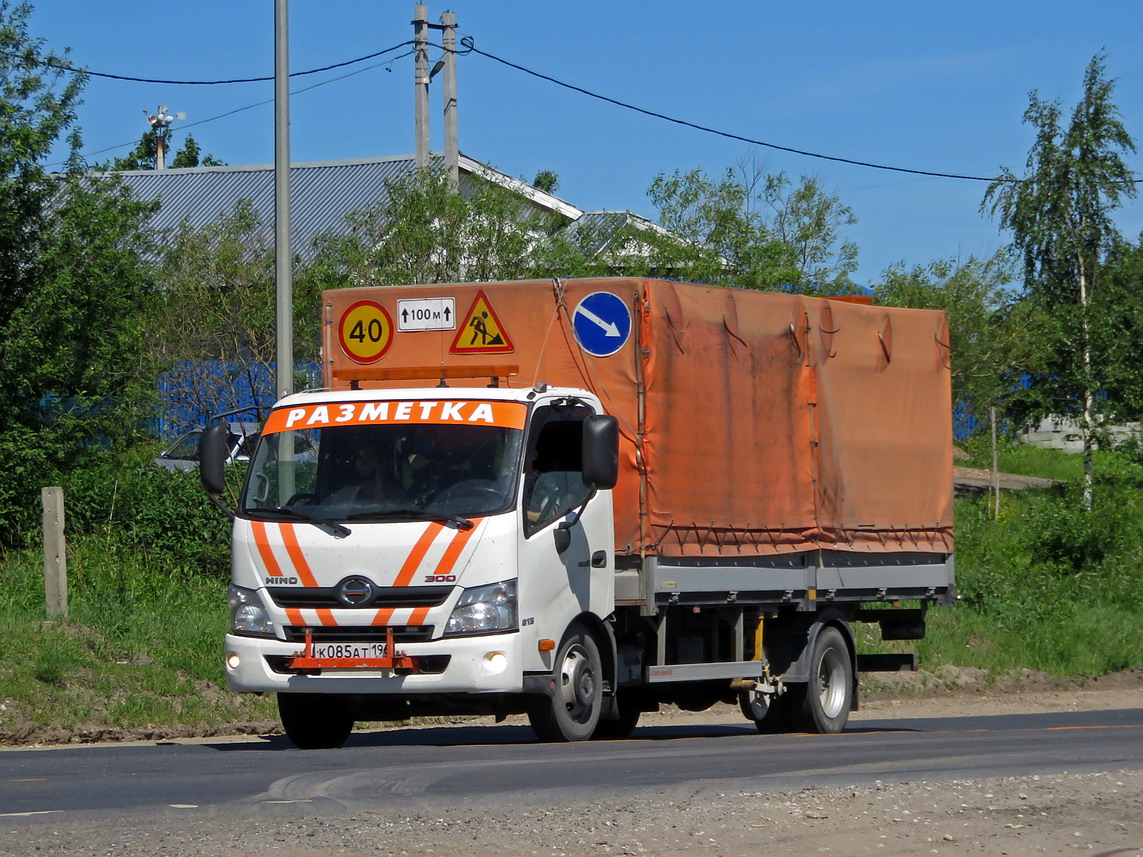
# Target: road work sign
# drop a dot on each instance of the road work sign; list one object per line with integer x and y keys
{"x": 480, "y": 330}
{"x": 602, "y": 324}
{"x": 365, "y": 331}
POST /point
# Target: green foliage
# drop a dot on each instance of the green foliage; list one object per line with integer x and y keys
{"x": 425, "y": 232}
{"x": 71, "y": 288}
{"x": 1060, "y": 216}
{"x": 218, "y": 304}
{"x": 546, "y": 180}
{"x": 139, "y": 650}
{"x": 1024, "y": 459}
{"x": 161, "y": 517}
{"x": 1050, "y": 578}
{"x": 145, "y": 156}
{"x": 750, "y": 230}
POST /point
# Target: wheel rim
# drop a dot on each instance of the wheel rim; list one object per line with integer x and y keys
{"x": 831, "y": 682}
{"x": 578, "y": 686}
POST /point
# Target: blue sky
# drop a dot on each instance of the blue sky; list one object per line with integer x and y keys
{"x": 922, "y": 85}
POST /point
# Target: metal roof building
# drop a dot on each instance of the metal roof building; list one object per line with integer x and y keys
{"x": 322, "y": 193}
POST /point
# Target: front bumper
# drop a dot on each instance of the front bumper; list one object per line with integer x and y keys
{"x": 484, "y": 664}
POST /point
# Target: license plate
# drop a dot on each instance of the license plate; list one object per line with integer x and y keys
{"x": 325, "y": 651}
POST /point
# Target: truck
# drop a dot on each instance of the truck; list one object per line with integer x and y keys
{"x": 580, "y": 500}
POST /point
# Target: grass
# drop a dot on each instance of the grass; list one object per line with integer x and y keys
{"x": 1024, "y": 460}
{"x": 1047, "y": 587}
{"x": 141, "y": 648}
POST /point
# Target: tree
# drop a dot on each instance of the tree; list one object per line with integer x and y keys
{"x": 146, "y": 154}
{"x": 1060, "y": 217}
{"x": 211, "y": 329}
{"x": 71, "y": 283}
{"x": 753, "y": 230}
{"x": 425, "y": 232}
{"x": 992, "y": 336}
{"x": 546, "y": 180}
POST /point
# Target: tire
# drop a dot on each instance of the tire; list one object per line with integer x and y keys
{"x": 571, "y": 713}
{"x": 823, "y": 704}
{"x": 315, "y": 721}
{"x": 616, "y": 730}
{"x": 775, "y": 719}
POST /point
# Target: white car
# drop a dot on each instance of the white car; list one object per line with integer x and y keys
{"x": 183, "y": 453}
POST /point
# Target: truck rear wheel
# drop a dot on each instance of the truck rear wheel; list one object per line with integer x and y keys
{"x": 771, "y": 717}
{"x": 571, "y": 712}
{"x": 629, "y": 713}
{"x": 823, "y": 704}
{"x": 315, "y": 721}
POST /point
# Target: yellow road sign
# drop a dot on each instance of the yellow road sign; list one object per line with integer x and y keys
{"x": 480, "y": 330}
{"x": 365, "y": 331}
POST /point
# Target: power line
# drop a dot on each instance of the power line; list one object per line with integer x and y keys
{"x": 470, "y": 47}
{"x": 89, "y": 73}
{"x": 257, "y": 103}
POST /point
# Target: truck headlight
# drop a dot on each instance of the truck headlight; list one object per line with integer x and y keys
{"x": 484, "y": 610}
{"x": 247, "y": 613}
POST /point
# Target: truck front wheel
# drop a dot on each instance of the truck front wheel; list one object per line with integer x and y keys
{"x": 571, "y": 711}
{"x": 823, "y": 704}
{"x": 315, "y": 721}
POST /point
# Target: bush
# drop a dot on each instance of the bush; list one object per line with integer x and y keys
{"x": 163, "y": 516}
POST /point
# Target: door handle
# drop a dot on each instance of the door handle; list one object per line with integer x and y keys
{"x": 599, "y": 559}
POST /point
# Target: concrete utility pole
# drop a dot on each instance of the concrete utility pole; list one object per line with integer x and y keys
{"x": 421, "y": 83}
{"x": 452, "y": 144}
{"x": 421, "y": 79}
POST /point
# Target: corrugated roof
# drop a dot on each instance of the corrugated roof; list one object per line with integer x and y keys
{"x": 595, "y": 230}
{"x": 322, "y": 193}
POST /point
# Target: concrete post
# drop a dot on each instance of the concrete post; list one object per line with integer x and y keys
{"x": 55, "y": 553}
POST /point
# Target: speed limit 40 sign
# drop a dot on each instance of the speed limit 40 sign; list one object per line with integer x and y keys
{"x": 365, "y": 331}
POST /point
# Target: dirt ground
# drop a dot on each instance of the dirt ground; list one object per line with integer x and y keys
{"x": 1096, "y": 813}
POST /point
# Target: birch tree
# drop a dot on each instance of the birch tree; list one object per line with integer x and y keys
{"x": 1060, "y": 217}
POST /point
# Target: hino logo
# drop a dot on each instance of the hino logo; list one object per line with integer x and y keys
{"x": 355, "y": 591}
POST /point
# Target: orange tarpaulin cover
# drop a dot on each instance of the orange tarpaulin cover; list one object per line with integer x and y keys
{"x": 752, "y": 422}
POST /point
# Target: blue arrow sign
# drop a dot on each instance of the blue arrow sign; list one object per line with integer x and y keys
{"x": 602, "y": 324}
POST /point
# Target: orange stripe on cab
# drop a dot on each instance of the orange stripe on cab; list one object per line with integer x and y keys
{"x": 290, "y": 540}
{"x": 412, "y": 563}
{"x": 258, "y": 528}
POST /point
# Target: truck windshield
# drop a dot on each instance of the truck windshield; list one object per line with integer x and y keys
{"x": 384, "y": 472}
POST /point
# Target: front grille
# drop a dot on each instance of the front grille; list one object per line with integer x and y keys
{"x": 389, "y": 596}
{"x": 359, "y": 633}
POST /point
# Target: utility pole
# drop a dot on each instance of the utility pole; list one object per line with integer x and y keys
{"x": 283, "y": 260}
{"x": 421, "y": 83}
{"x": 421, "y": 78}
{"x": 452, "y": 145}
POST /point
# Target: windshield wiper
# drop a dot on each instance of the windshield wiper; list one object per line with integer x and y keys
{"x": 457, "y": 522}
{"x": 335, "y": 529}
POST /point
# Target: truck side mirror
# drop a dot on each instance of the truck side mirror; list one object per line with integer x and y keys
{"x": 600, "y": 451}
{"x": 213, "y": 450}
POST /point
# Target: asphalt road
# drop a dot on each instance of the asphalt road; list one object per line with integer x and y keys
{"x": 436, "y": 765}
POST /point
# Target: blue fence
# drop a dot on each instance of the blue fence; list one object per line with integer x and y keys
{"x": 193, "y": 393}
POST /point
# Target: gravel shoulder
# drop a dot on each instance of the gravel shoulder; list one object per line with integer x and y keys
{"x": 1100, "y": 813}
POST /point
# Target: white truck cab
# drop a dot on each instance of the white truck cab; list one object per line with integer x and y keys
{"x": 430, "y": 545}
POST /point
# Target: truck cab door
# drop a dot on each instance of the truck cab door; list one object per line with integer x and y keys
{"x": 567, "y": 540}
